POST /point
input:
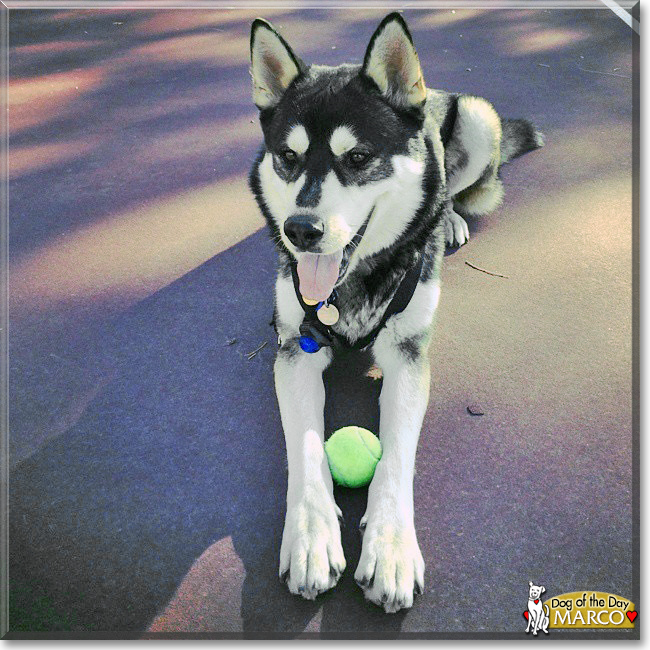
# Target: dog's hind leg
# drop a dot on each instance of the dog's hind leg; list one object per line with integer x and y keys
{"x": 311, "y": 555}
{"x": 473, "y": 156}
{"x": 480, "y": 143}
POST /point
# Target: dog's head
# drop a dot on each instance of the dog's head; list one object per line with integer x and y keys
{"x": 344, "y": 156}
{"x": 535, "y": 591}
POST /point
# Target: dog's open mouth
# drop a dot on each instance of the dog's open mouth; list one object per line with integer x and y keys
{"x": 319, "y": 273}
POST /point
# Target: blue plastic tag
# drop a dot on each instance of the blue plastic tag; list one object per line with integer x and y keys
{"x": 307, "y": 344}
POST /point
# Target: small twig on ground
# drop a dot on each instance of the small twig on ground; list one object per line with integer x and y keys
{"x": 478, "y": 268}
{"x": 250, "y": 355}
{"x": 611, "y": 74}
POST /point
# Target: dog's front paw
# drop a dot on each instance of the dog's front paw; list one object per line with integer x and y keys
{"x": 311, "y": 556}
{"x": 456, "y": 230}
{"x": 391, "y": 567}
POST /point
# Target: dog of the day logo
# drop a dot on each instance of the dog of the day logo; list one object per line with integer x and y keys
{"x": 577, "y": 610}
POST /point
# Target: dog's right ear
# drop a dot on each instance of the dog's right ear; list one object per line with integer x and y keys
{"x": 530, "y": 584}
{"x": 273, "y": 64}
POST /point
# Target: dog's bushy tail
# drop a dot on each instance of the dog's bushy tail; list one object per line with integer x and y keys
{"x": 518, "y": 137}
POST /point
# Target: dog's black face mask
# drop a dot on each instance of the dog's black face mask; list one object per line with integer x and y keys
{"x": 324, "y": 100}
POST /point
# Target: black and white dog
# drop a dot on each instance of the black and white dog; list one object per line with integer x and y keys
{"x": 361, "y": 178}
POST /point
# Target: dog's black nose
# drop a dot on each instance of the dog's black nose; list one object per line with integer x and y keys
{"x": 304, "y": 231}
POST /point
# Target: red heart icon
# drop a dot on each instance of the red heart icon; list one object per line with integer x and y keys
{"x": 526, "y": 615}
{"x": 536, "y": 601}
{"x": 632, "y": 616}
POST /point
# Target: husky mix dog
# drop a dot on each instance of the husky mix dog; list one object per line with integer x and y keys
{"x": 362, "y": 177}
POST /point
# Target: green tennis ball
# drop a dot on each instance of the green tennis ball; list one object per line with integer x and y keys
{"x": 352, "y": 454}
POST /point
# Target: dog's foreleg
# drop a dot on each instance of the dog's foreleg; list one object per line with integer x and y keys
{"x": 311, "y": 556}
{"x": 391, "y": 565}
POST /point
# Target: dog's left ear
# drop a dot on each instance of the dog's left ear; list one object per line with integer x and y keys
{"x": 542, "y": 590}
{"x": 393, "y": 64}
{"x": 273, "y": 64}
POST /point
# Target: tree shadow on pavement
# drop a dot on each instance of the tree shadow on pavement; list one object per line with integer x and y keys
{"x": 184, "y": 447}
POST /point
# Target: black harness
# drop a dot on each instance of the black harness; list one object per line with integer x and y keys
{"x": 315, "y": 335}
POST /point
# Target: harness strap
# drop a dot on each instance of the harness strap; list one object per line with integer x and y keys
{"x": 325, "y": 335}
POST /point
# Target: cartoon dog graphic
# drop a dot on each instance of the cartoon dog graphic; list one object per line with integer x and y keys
{"x": 537, "y": 617}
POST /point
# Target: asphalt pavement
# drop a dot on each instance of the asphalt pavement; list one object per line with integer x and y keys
{"x": 148, "y": 471}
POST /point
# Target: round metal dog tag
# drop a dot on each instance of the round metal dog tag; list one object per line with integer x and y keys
{"x": 309, "y": 301}
{"x": 328, "y": 314}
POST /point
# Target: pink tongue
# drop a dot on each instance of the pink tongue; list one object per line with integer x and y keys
{"x": 318, "y": 274}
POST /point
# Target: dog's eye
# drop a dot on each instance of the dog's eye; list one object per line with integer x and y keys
{"x": 288, "y": 155}
{"x": 358, "y": 157}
